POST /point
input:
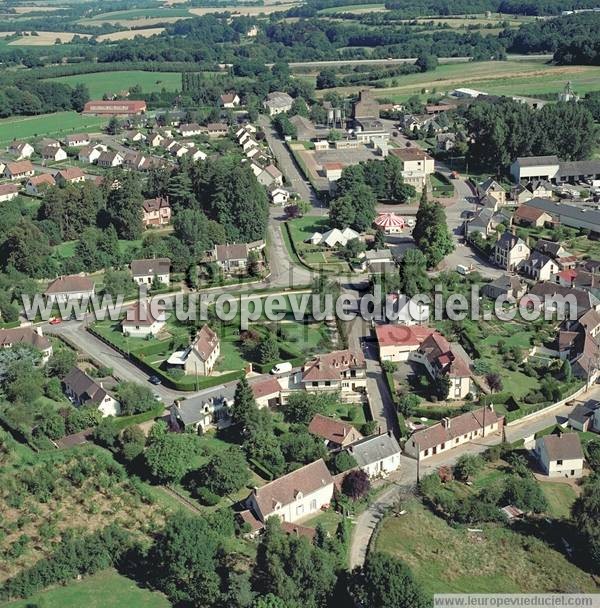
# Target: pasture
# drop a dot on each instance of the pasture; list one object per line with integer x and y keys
{"x": 444, "y": 559}
{"x": 511, "y": 77}
{"x": 106, "y": 589}
{"x": 48, "y": 125}
{"x": 99, "y": 83}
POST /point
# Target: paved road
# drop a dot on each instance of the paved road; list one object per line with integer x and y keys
{"x": 76, "y": 333}
{"x": 289, "y": 168}
{"x": 455, "y": 216}
{"x": 284, "y": 273}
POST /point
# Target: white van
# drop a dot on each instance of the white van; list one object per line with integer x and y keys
{"x": 464, "y": 270}
{"x": 282, "y": 368}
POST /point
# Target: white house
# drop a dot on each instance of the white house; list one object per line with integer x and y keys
{"x": 82, "y": 390}
{"x": 303, "y": 492}
{"x": 18, "y": 170}
{"x": 145, "y": 271}
{"x": 378, "y": 455}
{"x": 453, "y": 432}
{"x": 72, "y": 287}
{"x": 90, "y": 154}
{"x": 77, "y": 140}
{"x": 8, "y": 192}
{"x": 110, "y": 159}
{"x": 342, "y": 370}
{"x": 423, "y": 345}
{"x": 560, "y": 455}
{"x": 141, "y": 322}
{"x": 279, "y": 196}
{"x": 191, "y": 129}
{"x": 200, "y": 356}
{"x": 27, "y": 335}
{"x": 230, "y": 100}
{"x": 21, "y": 150}
{"x": 277, "y": 103}
{"x": 207, "y": 410}
{"x": 54, "y": 154}
{"x": 38, "y": 183}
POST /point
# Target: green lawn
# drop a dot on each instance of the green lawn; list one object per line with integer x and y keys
{"x": 444, "y": 559}
{"x": 67, "y": 249}
{"x": 560, "y": 496}
{"x": 106, "y": 589}
{"x": 112, "y": 82}
{"x": 55, "y": 125}
{"x": 321, "y": 258}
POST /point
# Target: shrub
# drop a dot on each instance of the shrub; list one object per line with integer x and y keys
{"x": 207, "y": 498}
{"x": 356, "y": 484}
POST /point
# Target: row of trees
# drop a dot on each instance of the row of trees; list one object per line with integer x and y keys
{"x": 502, "y": 130}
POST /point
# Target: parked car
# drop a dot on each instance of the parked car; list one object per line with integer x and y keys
{"x": 155, "y": 380}
{"x": 282, "y": 368}
{"x": 55, "y": 321}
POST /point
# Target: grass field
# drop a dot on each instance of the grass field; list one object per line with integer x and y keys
{"x": 512, "y": 77}
{"x": 103, "y": 590}
{"x": 244, "y": 10}
{"x": 111, "y": 82}
{"x": 60, "y": 123}
{"x": 141, "y": 13}
{"x": 355, "y": 9}
{"x": 560, "y": 496}
{"x": 498, "y": 560}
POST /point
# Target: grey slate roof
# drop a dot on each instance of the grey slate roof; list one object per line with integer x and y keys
{"x": 191, "y": 409}
{"x": 579, "y": 167}
{"x": 571, "y": 211}
{"x": 534, "y": 161}
{"x": 374, "y": 448}
{"x": 563, "y": 447}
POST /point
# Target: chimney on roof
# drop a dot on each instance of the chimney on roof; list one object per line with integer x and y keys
{"x": 446, "y": 422}
{"x": 38, "y": 330}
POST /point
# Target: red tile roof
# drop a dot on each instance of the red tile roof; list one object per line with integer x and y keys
{"x": 333, "y": 430}
{"x": 205, "y": 342}
{"x": 70, "y": 284}
{"x": 402, "y": 335}
{"x": 264, "y": 385}
{"x": 332, "y": 365}
{"x": 454, "y": 427}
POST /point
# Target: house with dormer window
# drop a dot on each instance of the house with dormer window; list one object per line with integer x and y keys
{"x": 294, "y": 496}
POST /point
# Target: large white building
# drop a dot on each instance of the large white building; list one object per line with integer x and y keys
{"x": 552, "y": 169}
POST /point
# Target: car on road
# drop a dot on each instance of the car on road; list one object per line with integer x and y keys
{"x": 155, "y": 380}
{"x": 55, "y": 321}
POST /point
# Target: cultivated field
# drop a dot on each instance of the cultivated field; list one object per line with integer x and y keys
{"x": 130, "y": 34}
{"x": 355, "y": 9}
{"x": 244, "y": 10}
{"x": 453, "y": 560}
{"x": 111, "y": 82}
{"x": 45, "y": 39}
{"x": 60, "y": 123}
{"x": 512, "y": 77}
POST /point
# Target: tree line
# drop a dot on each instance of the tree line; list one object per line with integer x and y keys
{"x": 503, "y": 129}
